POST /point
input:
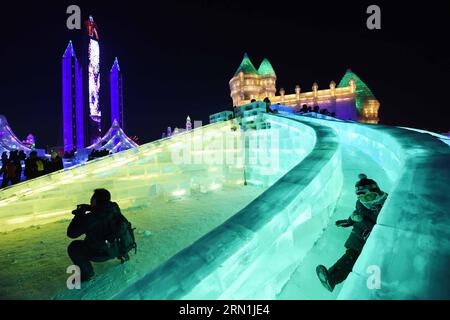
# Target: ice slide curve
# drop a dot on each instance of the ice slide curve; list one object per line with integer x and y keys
{"x": 243, "y": 258}
{"x": 255, "y": 254}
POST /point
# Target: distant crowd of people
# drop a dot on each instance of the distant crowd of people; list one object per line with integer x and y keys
{"x": 11, "y": 170}
{"x": 98, "y": 154}
{"x": 69, "y": 155}
{"x": 305, "y": 109}
{"x": 316, "y": 109}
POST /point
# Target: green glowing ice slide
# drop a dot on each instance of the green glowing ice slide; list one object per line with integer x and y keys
{"x": 253, "y": 255}
{"x": 259, "y": 251}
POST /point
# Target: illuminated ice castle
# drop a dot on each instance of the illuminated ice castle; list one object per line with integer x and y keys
{"x": 351, "y": 99}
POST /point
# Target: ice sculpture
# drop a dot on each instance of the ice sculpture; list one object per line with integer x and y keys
{"x": 114, "y": 140}
{"x": 8, "y": 140}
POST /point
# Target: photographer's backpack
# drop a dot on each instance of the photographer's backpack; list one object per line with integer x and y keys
{"x": 125, "y": 239}
{"x": 121, "y": 240}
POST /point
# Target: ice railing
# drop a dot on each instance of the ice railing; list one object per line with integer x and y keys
{"x": 441, "y": 137}
{"x": 133, "y": 176}
{"x": 407, "y": 255}
{"x": 254, "y": 253}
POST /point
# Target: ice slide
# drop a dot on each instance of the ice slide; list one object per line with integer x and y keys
{"x": 266, "y": 250}
{"x": 260, "y": 251}
{"x": 175, "y": 194}
{"x": 165, "y": 168}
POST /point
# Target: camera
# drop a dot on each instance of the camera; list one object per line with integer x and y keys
{"x": 81, "y": 209}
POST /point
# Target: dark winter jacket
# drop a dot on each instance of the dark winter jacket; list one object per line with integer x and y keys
{"x": 55, "y": 164}
{"x": 31, "y": 168}
{"x": 361, "y": 230}
{"x": 97, "y": 225}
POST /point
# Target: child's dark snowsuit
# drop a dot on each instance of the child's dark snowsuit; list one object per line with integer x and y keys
{"x": 355, "y": 242}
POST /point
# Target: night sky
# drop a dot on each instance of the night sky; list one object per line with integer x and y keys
{"x": 177, "y": 58}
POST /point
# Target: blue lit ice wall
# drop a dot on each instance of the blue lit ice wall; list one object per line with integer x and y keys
{"x": 253, "y": 254}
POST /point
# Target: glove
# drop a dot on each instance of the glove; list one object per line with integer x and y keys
{"x": 343, "y": 223}
{"x": 357, "y": 217}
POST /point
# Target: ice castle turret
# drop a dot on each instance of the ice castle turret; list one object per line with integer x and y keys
{"x": 366, "y": 103}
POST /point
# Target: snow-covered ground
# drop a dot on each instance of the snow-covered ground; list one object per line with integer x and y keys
{"x": 304, "y": 283}
{"x": 34, "y": 260}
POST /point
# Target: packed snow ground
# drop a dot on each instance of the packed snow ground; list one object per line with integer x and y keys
{"x": 34, "y": 260}
{"x": 304, "y": 283}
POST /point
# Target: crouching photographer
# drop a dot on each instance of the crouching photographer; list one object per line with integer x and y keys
{"x": 108, "y": 233}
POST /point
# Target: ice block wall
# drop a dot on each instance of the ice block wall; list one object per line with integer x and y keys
{"x": 164, "y": 168}
{"x": 253, "y": 254}
{"x": 271, "y": 153}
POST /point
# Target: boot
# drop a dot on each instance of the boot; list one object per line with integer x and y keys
{"x": 322, "y": 273}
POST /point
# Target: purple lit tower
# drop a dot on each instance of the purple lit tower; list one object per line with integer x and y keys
{"x": 72, "y": 95}
{"x": 116, "y": 91}
{"x": 95, "y": 115}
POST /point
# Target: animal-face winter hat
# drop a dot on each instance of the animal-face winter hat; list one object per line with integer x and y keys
{"x": 368, "y": 192}
{"x": 365, "y": 185}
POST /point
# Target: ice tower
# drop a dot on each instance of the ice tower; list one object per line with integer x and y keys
{"x": 116, "y": 93}
{"x": 365, "y": 101}
{"x": 249, "y": 83}
{"x": 72, "y": 95}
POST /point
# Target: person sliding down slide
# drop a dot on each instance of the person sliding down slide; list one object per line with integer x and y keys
{"x": 368, "y": 206}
